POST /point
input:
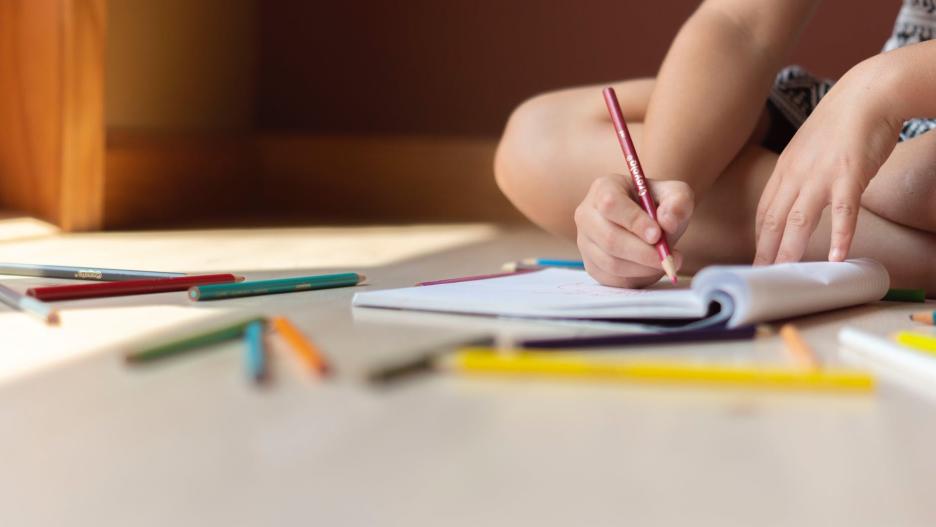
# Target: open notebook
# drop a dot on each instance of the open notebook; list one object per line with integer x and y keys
{"x": 736, "y": 295}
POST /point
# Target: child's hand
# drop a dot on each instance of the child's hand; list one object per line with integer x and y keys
{"x": 828, "y": 163}
{"x": 616, "y": 237}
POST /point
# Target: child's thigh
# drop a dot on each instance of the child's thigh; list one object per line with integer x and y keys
{"x": 722, "y": 225}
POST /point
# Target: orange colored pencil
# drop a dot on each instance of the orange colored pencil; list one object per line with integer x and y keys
{"x": 798, "y": 347}
{"x": 308, "y": 352}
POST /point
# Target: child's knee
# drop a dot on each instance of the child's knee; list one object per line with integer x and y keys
{"x": 527, "y": 143}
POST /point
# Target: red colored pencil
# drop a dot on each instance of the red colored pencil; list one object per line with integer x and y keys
{"x": 127, "y": 287}
{"x": 477, "y": 277}
{"x": 636, "y": 172}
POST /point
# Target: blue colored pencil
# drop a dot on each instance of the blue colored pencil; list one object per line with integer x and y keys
{"x": 255, "y": 357}
{"x": 80, "y": 273}
{"x": 549, "y": 262}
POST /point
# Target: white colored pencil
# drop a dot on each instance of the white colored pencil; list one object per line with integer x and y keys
{"x": 30, "y": 305}
{"x": 889, "y": 354}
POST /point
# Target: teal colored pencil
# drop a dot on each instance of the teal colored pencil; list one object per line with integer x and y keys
{"x": 275, "y": 286}
{"x": 255, "y": 357}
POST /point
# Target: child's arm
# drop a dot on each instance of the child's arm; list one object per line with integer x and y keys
{"x": 842, "y": 145}
{"x": 713, "y": 83}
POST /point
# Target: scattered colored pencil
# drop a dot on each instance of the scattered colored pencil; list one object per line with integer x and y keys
{"x": 191, "y": 342}
{"x": 126, "y": 287}
{"x": 275, "y": 286}
{"x": 798, "y": 348}
{"x": 924, "y": 317}
{"x": 475, "y": 277}
{"x": 637, "y": 175}
{"x": 905, "y": 295}
{"x": 636, "y": 339}
{"x": 488, "y": 360}
{"x": 892, "y": 357}
{"x": 17, "y": 300}
{"x": 303, "y": 347}
{"x": 255, "y": 358}
{"x": 80, "y": 273}
{"x": 917, "y": 341}
{"x": 535, "y": 264}
{"x": 551, "y": 262}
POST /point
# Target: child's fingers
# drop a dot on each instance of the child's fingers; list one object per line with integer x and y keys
{"x": 800, "y": 224}
{"x": 675, "y": 204}
{"x": 846, "y": 198}
{"x": 766, "y": 198}
{"x": 772, "y": 227}
{"x": 612, "y": 200}
{"x": 596, "y": 263}
{"x": 618, "y": 242}
{"x": 612, "y": 271}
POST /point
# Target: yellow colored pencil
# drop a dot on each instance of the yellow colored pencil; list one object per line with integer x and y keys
{"x": 917, "y": 341}
{"x": 488, "y": 360}
{"x": 304, "y": 348}
{"x": 797, "y": 347}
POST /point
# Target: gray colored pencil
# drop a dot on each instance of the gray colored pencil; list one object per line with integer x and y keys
{"x": 80, "y": 273}
{"x": 27, "y": 304}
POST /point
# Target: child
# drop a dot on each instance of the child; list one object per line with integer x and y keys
{"x": 703, "y": 132}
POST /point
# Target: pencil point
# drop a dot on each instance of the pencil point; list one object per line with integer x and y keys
{"x": 669, "y": 267}
{"x": 361, "y": 278}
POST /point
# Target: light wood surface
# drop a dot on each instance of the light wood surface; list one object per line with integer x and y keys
{"x": 51, "y": 109}
{"x": 89, "y": 441}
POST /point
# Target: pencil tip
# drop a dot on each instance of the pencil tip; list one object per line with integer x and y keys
{"x": 669, "y": 267}
{"x": 361, "y": 278}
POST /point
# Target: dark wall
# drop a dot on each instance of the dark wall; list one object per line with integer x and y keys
{"x": 460, "y": 66}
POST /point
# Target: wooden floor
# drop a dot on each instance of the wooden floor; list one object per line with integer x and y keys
{"x": 91, "y": 441}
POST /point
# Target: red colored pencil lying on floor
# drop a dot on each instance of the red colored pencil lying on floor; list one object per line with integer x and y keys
{"x": 127, "y": 287}
{"x": 640, "y": 182}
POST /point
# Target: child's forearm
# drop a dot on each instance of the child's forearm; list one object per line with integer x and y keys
{"x": 906, "y": 81}
{"x": 713, "y": 84}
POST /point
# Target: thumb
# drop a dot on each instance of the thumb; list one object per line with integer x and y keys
{"x": 675, "y": 203}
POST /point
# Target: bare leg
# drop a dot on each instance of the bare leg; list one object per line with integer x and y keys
{"x": 904, "y": 190}
{"x": 555, "y": 145}
{"x": 721, "y": 230}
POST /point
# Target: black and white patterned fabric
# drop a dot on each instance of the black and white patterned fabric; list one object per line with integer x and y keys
{"x": 796, "y": 93}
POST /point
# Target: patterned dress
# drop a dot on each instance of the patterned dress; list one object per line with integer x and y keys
{"x": 796, "y": 93}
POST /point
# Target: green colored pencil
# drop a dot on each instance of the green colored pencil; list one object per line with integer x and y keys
{"x": 275, "y": 286}
{"x": 191, "y": 342}
{"x": 905, "y": 295}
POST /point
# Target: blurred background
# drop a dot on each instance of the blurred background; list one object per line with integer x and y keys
{"x": 291, "y": 111}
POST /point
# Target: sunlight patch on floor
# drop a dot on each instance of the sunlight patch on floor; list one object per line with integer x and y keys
{"x": 14, "y": 227}
{"x": 30, "y": 346}
{"x": 242, "y": 250}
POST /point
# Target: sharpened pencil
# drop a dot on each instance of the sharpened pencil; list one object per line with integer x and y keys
{"x": 19, "y": 301}
{"x": 80, "y": 273}
{"x": 191, "y": 341}
{"x": 274, "y": 286}
{"x": 917, "y": 341}
{"x": 303, "y": 347}
{"x": 126, "y": 287}
{"x": 526, "y": 364}
{"x": 924, "y": 317}
{"x": 798, "y": 348}
{"x": 255, "y": 357}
